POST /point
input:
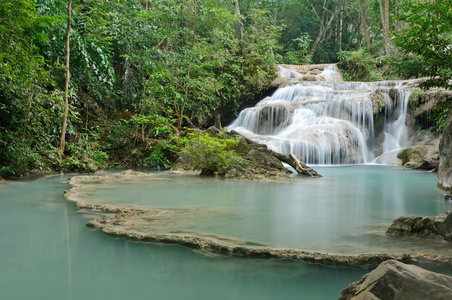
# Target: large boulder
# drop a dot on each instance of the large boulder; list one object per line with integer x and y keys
{"x": 418, "y": 154}
{"x": 396, "y": 280}
{"x": 445, "y": 160}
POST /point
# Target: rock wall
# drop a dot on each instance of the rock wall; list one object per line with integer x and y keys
{"x": 445, "y": 160}
{"x": 424, "y": 105}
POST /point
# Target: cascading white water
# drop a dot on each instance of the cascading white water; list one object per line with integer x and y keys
{"x": 395, "y": 132}
{"x": 327, "y": 121}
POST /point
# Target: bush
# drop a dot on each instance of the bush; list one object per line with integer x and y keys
{"x": 359, "y": 66}
{"x": 84, "y": 154}
{"x": 210, "y": 154}
{"x": 163, "y": 154}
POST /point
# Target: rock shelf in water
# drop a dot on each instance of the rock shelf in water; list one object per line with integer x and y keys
{"x": 151, "y": 225}
{"x": 439, "y": 226}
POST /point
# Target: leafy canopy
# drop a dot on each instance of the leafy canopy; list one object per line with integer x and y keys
{"x": 426, "y": 41}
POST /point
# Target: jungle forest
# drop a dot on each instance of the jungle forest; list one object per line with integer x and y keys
{"x": 91, "y": 84}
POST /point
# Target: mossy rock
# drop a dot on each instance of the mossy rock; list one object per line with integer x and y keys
{"x": 417, "y": 154}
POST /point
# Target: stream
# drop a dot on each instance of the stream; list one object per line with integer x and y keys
{"x": 47, "y": 252}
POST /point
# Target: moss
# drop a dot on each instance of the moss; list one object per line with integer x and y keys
{"x": 404, "y": 155}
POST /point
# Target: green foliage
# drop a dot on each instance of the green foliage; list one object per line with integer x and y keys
{"x": 152, "y": 126}
{"x": 359, "y": 66}
{"x": 201, "y": 68}
{"x": 163, "y": 154}
{"x": 161, "y": 65}
{"x": 300, "y": 55}
{"x": 139, "y": 140}
{"x": 84, "y": 154}
{"x": 426, "y": 42}
{"x": 29, "y": 106}
{"x": 380, "y": 105}
{"x": 209, "y": 154}
{"x": 438, "y": 116}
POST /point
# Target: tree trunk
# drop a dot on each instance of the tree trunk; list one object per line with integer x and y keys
{"x": 384, "y": 14}
{"x": 295, "y": 163}
{"x": 181, "y": 112}
{"x": 363, "y": 13}
{"x": 66, "y": 86}
{"x": 326, "y": 20}
{"x": 386, "y": 28}
{"x": 238, "y": 24}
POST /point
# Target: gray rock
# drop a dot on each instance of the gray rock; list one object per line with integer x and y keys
{"x": 414, "y": 226}
{"x": 445, "y": 160}
{"x": 396, "y": 280}
{"x": 265, "y": 159}
{"x": 443, "y": 223}
{"x": 440, "y": 225}
{"x": 416, "y": 155}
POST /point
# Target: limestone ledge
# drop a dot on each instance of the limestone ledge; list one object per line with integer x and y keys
{"x": 143, "y": 225}
{"x": 122, "y": 226}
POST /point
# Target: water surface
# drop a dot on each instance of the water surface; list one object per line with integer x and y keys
{"x": 346, "y": 211}
{"x": 47, "y": 252}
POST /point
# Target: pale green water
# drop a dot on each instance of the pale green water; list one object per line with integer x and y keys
{"x": 47, "y": 252}
{"x": 348, "y": 210}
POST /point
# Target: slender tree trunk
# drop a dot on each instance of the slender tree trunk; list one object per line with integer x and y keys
{"x": 325, "y": 25}
{"x": 181, "y": 111}
{"x": 326, "y": 21}
{"x": 384, "y": 14}
{"x": 238, "y": 24}
{"x": 341, "y": 23}
{"x": 363, "y": 13}
{"x": 386, "y": 28}
{"x": 66, "y": 86}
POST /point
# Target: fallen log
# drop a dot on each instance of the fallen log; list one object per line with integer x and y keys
{"x": 295, "y": 163}
{"x": 427, "y": 165}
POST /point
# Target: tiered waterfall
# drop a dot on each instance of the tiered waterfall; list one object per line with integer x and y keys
{"x": 328, "y": 121}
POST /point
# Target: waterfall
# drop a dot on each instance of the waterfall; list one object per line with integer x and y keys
{"x": 395, "y": 132}
{"x": 324, "y": 120}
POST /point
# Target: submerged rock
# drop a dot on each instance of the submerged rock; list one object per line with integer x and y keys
{"x": 395, "y": 280}
{"x": 440, "y": 226}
